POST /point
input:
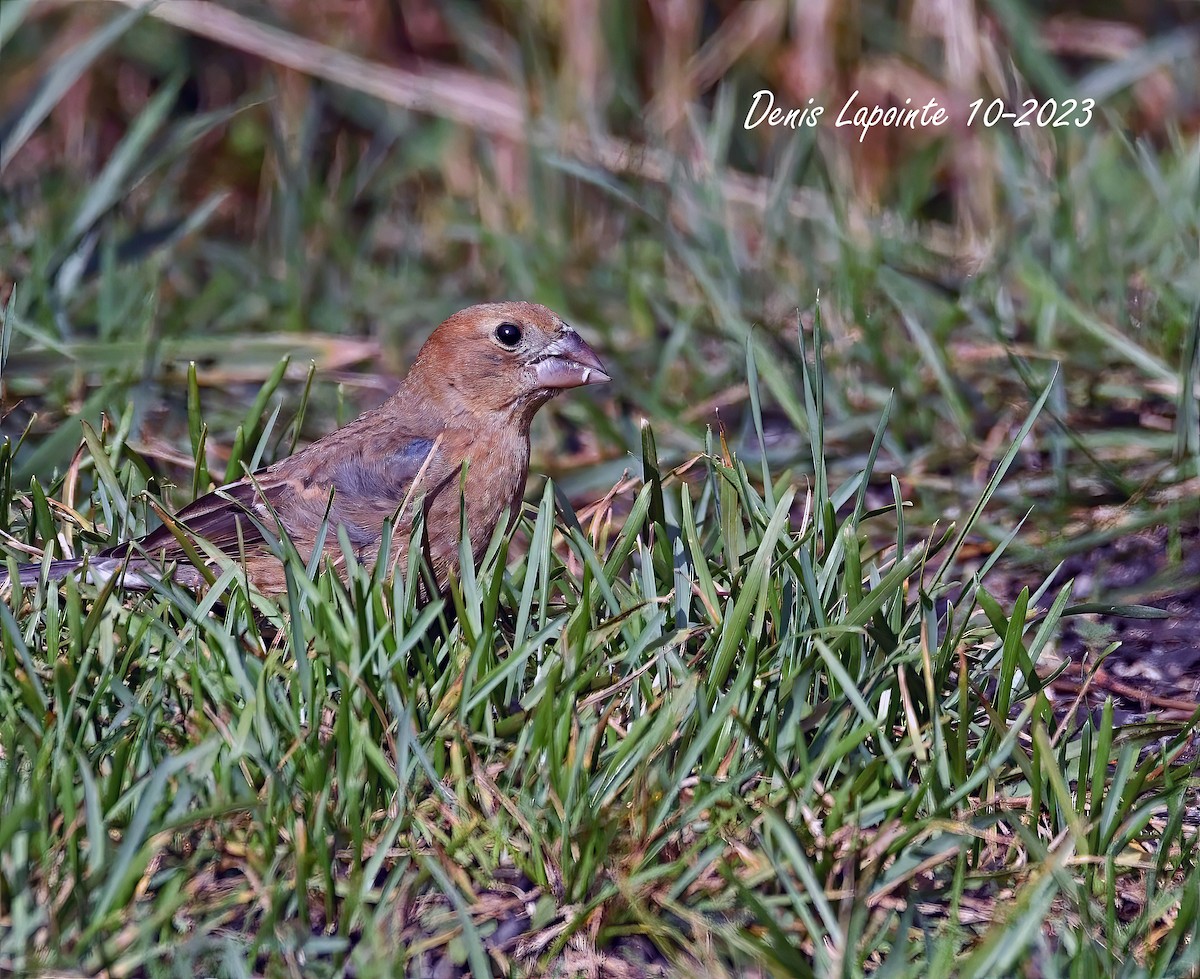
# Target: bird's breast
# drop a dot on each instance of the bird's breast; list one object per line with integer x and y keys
{"x": 496, "y": 472}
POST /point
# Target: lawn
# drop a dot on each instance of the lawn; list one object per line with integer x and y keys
{"x": 851, "y": 629}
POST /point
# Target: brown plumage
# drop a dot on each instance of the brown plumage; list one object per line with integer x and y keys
{"x": 469, "y": 397}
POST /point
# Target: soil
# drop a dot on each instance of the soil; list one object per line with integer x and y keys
{"x": 1153, "y": 673}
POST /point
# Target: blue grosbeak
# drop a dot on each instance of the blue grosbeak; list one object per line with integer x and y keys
{"x": 469, "y": 397}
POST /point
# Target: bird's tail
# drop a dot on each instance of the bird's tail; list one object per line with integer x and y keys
{"x": 98, "y": 571}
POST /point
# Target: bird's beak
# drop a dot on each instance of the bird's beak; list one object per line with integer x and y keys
{"x": 569, "y": 363}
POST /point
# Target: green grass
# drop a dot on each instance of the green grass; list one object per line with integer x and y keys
{"x": 764, "y": 707}
{"x": 716, "y": 722}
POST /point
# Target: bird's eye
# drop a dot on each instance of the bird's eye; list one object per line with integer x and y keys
{"x": 508, "y": 334}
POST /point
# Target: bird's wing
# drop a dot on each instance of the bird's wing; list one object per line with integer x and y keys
{"x": 369, "y": 487}
{"x": 230, "y": 518}
{"x": 356, "y": 487}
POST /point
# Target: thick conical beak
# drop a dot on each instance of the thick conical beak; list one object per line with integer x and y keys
{"x": 569, "y": 363}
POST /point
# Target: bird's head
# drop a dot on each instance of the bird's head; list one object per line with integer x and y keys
{"x": 509, "y": 357}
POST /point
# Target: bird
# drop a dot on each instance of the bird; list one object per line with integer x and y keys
{"x": 453, "y": 437}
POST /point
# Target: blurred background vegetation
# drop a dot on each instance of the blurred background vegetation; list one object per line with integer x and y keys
{"x": 192, "y": 191}
{"x": 229, "y": 184}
